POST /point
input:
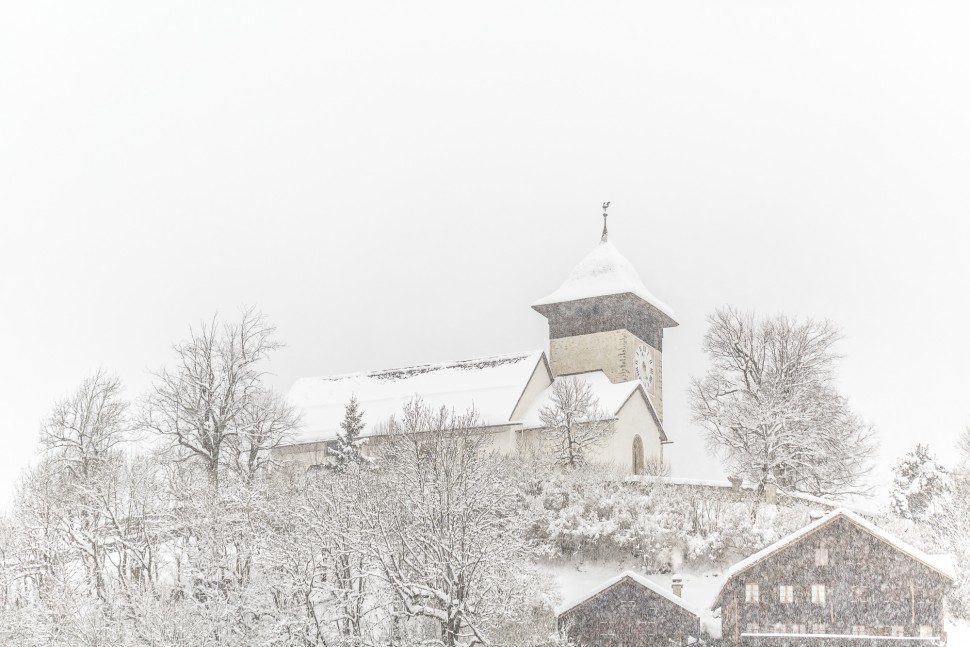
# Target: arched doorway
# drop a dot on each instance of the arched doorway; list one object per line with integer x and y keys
{"x": 637, "y": 454}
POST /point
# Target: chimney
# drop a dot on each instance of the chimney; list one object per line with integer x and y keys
{"x": 771, "y": 494}
{"x": 677, "y": 585}
{"x": 735, "y": 483}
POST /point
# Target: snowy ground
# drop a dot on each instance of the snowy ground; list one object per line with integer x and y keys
{"x": 957, "y": 635}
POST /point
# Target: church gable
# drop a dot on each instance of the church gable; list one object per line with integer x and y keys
{"x": 540, "y": 380}
{"x": 611, "y": 397}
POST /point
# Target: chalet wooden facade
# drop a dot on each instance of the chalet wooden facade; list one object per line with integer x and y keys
{"x": 630, "y": 611}
{"x": 840, "y": 580}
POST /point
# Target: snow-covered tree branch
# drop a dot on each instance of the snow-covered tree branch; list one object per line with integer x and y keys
{"x": 770, "y": 407}
{"x": 212, "y": 405}
{"x": 574, "y": 424}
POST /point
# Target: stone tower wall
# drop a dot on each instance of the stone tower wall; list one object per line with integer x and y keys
{"x": 612, "y": 352}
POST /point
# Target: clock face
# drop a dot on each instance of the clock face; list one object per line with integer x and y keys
{"x": 643, "y": 366}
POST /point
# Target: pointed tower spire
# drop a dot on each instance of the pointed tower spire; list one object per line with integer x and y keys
{"x": 606, "y": 205}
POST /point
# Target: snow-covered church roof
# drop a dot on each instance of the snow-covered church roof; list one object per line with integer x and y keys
{"x": 492, "y": 385}
{"x": 604, "y": 271}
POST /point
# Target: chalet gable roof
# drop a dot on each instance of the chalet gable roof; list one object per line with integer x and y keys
{"x": 633, "y": 577}
{"x": 938, "y": 563}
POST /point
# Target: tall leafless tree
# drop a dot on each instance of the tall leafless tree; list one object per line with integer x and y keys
{"x": 212, "y": 405}
{"x": 84, "y": 428}
{"x": 80, "y": 469}
{"x": 444, "y": 526}
{"x": 574, "y": 424}
{"x": 770, "y": 407}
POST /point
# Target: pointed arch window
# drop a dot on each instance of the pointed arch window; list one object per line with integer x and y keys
{"x": 637, "y": 454}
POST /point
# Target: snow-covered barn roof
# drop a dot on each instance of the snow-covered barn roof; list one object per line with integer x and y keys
{"x": 492, "y": 385}
{"x": 604, "y": 271}
{"x": 611, "y": 397}
{"x": 942, "y": 564}
{"x": 635, "y": 577}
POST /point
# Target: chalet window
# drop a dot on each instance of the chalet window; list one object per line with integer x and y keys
{"x": 858, "y": 630}
{"x": 651, "y": 628}
{"x": 786, "y": 593}
{"x": 607, "y": 629}
{"x": 798, "y": 629}
{"x": 818, "y": 594}
{"x": 753, "y": 628}
{"x": 818, "y": 629}
{"x": 925, "y": 631}
{"x": 779, "y": 628}
{"x": 821, "y": 556}
{"x": 751, "y": 594}
{"x": 897, "y": 630}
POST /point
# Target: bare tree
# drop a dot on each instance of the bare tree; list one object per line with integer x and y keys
{"x": 574, "y": 424}
{"x": 264, "y": 422}
{"x": 85, "y": 427}
{"x": 770, "y": 407}
{"x": 212, "y": 405}
{"x": 79, "y": 475}
{"x": 443, "y": 525}
{"x": 963, "y": 452}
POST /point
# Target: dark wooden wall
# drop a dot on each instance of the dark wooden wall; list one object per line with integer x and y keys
{"x": 628, "y": 614}
{"x": 867, "y": 582}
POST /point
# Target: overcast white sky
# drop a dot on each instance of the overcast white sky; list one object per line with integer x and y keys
{"x": 394, "y": 183}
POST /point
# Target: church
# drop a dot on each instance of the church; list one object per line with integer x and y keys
{"x": 605, "y": 329}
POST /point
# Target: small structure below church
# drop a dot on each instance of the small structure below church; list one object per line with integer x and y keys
{"x": 605, "y": 329}
{"x": 630, "y": 611}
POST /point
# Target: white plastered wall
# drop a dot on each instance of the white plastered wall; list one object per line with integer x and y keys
{"x": 633, "y": 419}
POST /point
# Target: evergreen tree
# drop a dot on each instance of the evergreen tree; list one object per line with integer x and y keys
{"x": 919, "y": 485}
{"x": 349, "y": 441}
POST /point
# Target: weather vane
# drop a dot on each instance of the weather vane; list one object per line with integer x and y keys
{"x": 606, "y": 205}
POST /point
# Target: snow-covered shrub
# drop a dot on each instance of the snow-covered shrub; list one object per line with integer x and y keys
{"x": 602, "y": 514}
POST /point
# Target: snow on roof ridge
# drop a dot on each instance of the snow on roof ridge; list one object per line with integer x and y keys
{"x": 415, "y": 369}
{"x": 804, "y": 531}
{"x": 811, "y": 498}
{"x": 490, "y": 385}
{"x": 639, "y": 579}
{"x": 602, "y": 272}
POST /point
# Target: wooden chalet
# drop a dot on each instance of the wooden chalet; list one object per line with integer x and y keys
{"x": 629, "y": 611}
{"x": 841, "y": 580}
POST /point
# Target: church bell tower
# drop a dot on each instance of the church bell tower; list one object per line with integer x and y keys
{"x": 604, "y": 318}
